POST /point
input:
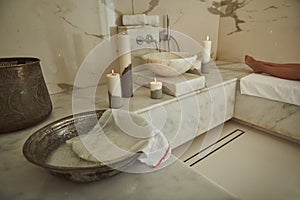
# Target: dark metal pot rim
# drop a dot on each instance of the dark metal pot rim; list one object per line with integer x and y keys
{"x": 30, "y": 61}
{"x": 53, "y": 125}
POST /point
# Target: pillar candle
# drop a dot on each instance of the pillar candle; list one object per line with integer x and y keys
{"x": 114, "y": 90}
{"x": 206, "y": 50}
{"x": 125, "y": 65}
{"x": 156, "y": 89}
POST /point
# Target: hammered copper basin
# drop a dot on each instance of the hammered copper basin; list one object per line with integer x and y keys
{"x": 24, "y": 98}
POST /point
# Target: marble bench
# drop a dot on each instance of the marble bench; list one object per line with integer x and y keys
{"x": 271, "y": 115}
{"x": 274, "y": 116}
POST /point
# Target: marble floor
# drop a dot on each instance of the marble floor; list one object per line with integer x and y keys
{"x": 250, "y": 163}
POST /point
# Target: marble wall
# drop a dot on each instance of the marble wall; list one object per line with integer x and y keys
{"x": 62, "y": 32}
{"x": 268, "y": 30}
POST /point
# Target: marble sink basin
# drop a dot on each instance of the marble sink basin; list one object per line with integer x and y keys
{"x": 169, "y": 63}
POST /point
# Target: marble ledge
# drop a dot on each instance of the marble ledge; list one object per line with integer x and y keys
{"x": 231, "y": 70}
{"x": 223, "y": 74}
{"x": 87, "y": 99}
{"x": 140, "y": 102}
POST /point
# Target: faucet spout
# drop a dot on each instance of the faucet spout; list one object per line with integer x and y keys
{"x": 149, "y": 39}
{"x": 167, "y": 37}
{"x": 168, "y": 32}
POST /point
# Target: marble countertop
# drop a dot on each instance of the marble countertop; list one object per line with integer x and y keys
{"x": 231, "y": 70}
{"x": 223, "y": 72}
{"x": 22, "y": 180}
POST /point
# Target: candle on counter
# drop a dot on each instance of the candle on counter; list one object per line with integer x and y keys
{"x": 156, "y": 89}
{"x": 125, "y": 65}
{"x": 114, "y": 90}
{"x": 206, "y": 50}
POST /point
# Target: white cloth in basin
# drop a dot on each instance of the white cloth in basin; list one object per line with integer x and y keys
{"x": 119, "y": 135}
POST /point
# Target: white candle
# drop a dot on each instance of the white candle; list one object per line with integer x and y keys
{"x": 206, "y": 50}
{"x": 114, "y": 90}
{"x": 156, "y": 89}
{"x": 125, "y": 65}
{"x": 124, "y": 51}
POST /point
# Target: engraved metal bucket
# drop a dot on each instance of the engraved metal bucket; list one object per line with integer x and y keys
{"x": 24, "y": 98}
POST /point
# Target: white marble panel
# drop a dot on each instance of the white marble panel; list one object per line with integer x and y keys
{"x": 268, "y": 30}
{"x": 193, "y": 115}
{"x": 175, "y": 86}
{"x": 191, "y": 18}
{"x": 63, "y": 32}
{"x": 22, "y": 180}
{"x": 274, "y": 116}
{"x": 59, "y": 32}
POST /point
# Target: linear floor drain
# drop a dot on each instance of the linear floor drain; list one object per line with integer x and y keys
{"x": 207, "y": 151}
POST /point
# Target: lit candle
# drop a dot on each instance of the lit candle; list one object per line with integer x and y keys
{"x": 156, "y": 89}
{"x": 125, "y": 65}
{"x": 206, "y": 50}
{"x": 114, "y": 90}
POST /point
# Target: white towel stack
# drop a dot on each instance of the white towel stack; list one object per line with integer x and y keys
{"x": 140, "y": 19}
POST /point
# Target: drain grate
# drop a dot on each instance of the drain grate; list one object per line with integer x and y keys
{"x": 207, "y": 151}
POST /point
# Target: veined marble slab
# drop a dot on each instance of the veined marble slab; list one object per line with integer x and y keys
{"x": 194, "y": 114}
{"x": 21, "y": 180}
{"x": 273, "y": 116}
{"x": 175, "y": 86}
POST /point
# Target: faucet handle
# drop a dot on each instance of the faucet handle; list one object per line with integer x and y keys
{"x": 149, "y": 38}
{"x": 139, "y": 40}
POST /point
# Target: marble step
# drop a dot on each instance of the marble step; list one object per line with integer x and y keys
{"x": 175, "y": 86}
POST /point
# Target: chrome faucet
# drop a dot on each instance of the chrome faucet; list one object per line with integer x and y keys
{"x": 148, "y": 39}
{"x": 163, "y": 36}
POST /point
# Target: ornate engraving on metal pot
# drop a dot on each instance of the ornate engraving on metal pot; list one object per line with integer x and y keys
{"x": 2, "y": 107}
{"x": 39, "y": 94}
{"x": 24, "y": 96}
{"x": 7, "y": 76}
{"x": 16, "y": 104}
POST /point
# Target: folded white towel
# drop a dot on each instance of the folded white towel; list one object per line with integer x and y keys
{"x": 119, "y": 135}
{"x": 270, "y": 87}
{"x": 157, "y": 151}
{"x": 152, "y": 20}
{"x": 197, "y": 65}
{"x": 140, "y": 19}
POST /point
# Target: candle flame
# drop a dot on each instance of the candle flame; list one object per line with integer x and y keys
{"x": 112, "y": 71}
{"x": 207, "y": 38}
